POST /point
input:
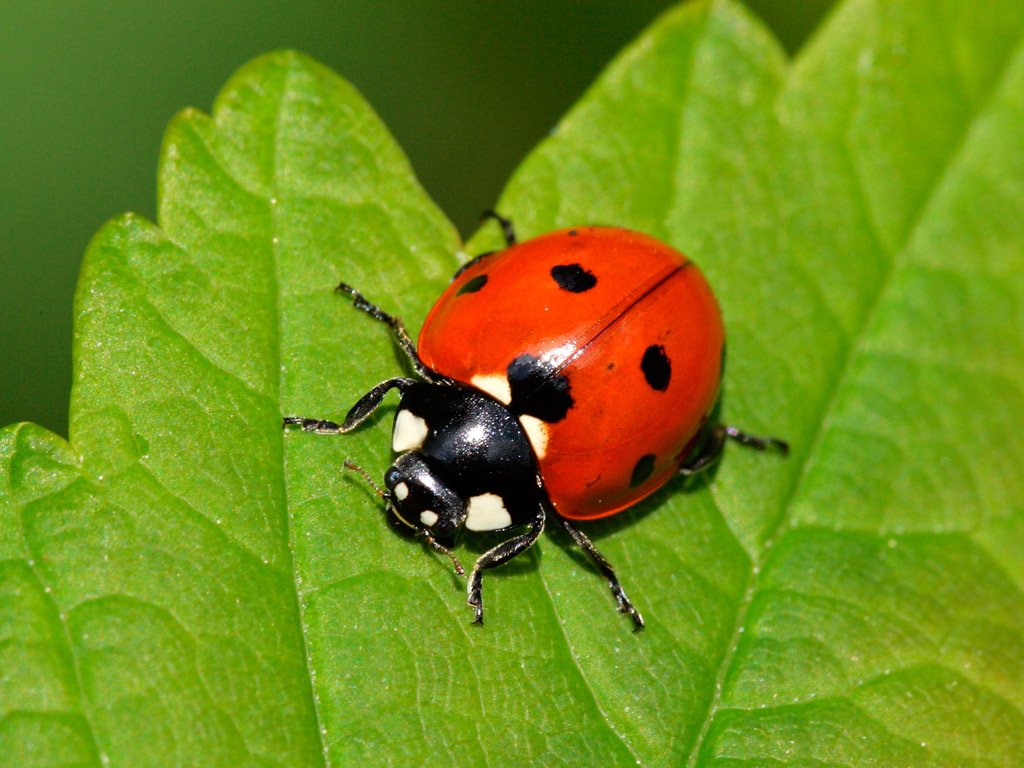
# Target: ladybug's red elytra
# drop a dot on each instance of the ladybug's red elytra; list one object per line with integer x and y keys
{"x": 565, "y": 377}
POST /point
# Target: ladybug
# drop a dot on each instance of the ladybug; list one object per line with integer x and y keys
{"x": 566, "y": 377}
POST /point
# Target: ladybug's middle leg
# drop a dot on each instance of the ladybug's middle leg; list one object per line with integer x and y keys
{"x": 397, "y": 330}
{"x": 499, "y": 555}
{"x": 602, "y": 564}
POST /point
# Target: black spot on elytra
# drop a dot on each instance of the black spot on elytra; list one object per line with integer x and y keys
{"x": 656, "y": 367}
{"x": 642, "y": 470}
{"x": 573, "y": 278}
{"x": 537, "y": 389}
{"x": 473, "y": 285}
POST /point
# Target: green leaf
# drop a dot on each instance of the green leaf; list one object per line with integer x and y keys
{"x": 181, "y": 584}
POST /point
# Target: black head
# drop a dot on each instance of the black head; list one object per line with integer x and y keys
{"x": 463, "y": 461}
{"x": 420, "y": 499}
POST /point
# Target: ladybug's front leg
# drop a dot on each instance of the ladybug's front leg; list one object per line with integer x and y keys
{"x": 357, "y": 414}
{"x": 500, "y": 554}
{"x": 599, "y": 560}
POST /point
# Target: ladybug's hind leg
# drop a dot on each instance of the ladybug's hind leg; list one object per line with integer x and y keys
{"x": 499, "y": 555}
{"x": 713, "y": 447}
{"x": 602, "y": 564}
{"x": 398, "y": 330}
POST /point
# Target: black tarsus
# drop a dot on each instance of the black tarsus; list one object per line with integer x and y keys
{"x": 758, "y": 443}
{"x": 356, "y": 415}
{"x": 606, "y": 570}
{"x": 320, "y": 426}
{"x": 499, "y": 555}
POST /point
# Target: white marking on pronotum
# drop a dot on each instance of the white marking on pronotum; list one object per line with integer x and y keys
{"x": 494, "y": 384}
{"x": 410, "y": 432}
{"x": 428, "y": 517}
{"x": 401, "y": 491}
{"x": 487, "y": 512}
{"x": 537, "y": 432}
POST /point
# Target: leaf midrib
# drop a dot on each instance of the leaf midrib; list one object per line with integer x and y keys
{"x": 276, "y": 335}
{"x": 783, "y": 523}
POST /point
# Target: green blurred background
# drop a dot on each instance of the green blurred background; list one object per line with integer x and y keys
{"x": 87, "y": 88}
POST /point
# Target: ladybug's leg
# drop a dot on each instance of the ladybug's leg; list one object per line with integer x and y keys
{"x": 758, "y": 443}
{"x": 711, "y": 452}
{"x": 506, "y": 229}
{"x": 499, "y": 555}
{"x": 602, "y": 564}
{"x": 397, "y": 330}
{"x": 472, "y": 262}
{"x": 506, "y": 225}
{"x": 357, "y": 414}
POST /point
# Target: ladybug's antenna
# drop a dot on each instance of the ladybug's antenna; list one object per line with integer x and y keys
{"x": 349, "y": 464}
{"x": 423, "y": 532}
